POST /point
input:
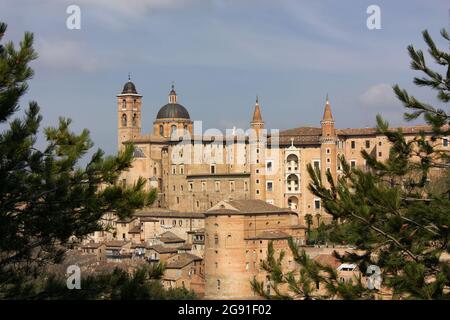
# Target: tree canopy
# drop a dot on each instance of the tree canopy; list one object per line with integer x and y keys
{"x": 394, "y": 214}
{"x": 47, "y": 197}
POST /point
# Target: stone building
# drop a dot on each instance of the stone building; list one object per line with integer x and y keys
{"x": 194, "y": 171}
{"x": 237, "y": 235}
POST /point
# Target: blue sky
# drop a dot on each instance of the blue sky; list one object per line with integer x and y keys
{"x": 221, "y": 54}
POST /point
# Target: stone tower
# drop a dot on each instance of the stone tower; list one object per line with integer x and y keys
{"x": 328, "y": 143}
{"x": 257, "y": 143}
{"x": 257, "y": 122}
{"x": 129, "y": 104}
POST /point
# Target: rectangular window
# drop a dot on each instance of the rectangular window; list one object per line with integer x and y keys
{"x": 181, "y": 169}
{"x": 367, "y": 144}
{"x": 191, "y": 186}
{"x": 317, "y": 204}
{"x": 353, "y": 143}
{"x": 316, "y": 164}
{"x": 269, "y": 186}
{"x": 445, "y": 142}
{"x": 217, "y": 186}
{"x": 269, "y": 166}
{"x": 353, "y": 163}
{"x": 174, "y": 169}
{"x": 213, "y": 169}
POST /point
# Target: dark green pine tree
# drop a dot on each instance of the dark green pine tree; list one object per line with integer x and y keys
{"x": 397, "y": 214}
{"x": 46, "y": 197}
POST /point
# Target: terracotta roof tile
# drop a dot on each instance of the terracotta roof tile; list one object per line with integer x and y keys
{"x": 116, "y": 243}
{"x": 327, "y": 260}
{"x": 181, "y": 260}
{"x": 170, "y": 237}
{"x": 164, "y": 213}
{"x": 161, "y": 249}
{"x": 247, "y": 206}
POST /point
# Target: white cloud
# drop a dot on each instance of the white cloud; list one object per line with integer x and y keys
{"x": 67, "y": 54}
{"x": 380, "y": 96}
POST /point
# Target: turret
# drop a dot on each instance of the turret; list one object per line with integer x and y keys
{"x": 129, "y": 104}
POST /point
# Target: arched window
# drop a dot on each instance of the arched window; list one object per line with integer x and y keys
{"x": 124, "y": 120}
{"x": 124, "y": 104}
{"x": 173, "y": 130}
{"x": 185, "y": 127}
{"x": 161, "y": 130}
{"x": 292, "y": 162}
{"x": 292, "y": 183}
{"x": 134, "y": 120}
{"x": 293, "y": 203}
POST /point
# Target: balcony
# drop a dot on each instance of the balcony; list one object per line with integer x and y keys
{"x": 292, "y": 164}
{"x": 292, "y": 184}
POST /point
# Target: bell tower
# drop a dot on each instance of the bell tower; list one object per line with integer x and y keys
{"x": 129, "y": 104}
{"x": 257, "y": 122}
{"x": 328, "y": 142}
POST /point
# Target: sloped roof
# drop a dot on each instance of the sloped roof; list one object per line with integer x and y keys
{"x": 245, "y": 207}
{"x": 186, "y": 246}
{"x": 161, "y": 249}
{"x": 170, "y": 237}
{"x": 138, "y": 245}
{"x": 166, "y": 213}
{"x": 327, "y": 260}
{"x": 116, "y": 243}
{"x": 302, "y": 131}
{"x": 92, "y": 245}
{"x": 126, "y": 220}
{"x": 181, "y": 260}
{"x": 373, "y": 131}
{"x": 327, "y": 112}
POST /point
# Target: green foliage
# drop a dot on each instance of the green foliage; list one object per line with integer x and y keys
{"x": 46, "y": 198}
{"x": 142, "y": 284}
{"x": 305, "y": 281}
{"x": 397, "y": 214}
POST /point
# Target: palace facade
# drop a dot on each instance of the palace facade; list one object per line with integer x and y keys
{"x": 223, "y": 198}
{"x": 193, "y": 171}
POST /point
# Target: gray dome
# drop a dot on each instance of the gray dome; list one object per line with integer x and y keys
{"x": 129, "y": 87}
{"x": 173, "y": 110}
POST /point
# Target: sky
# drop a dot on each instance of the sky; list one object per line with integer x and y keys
{"x": 220, "y": 55}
